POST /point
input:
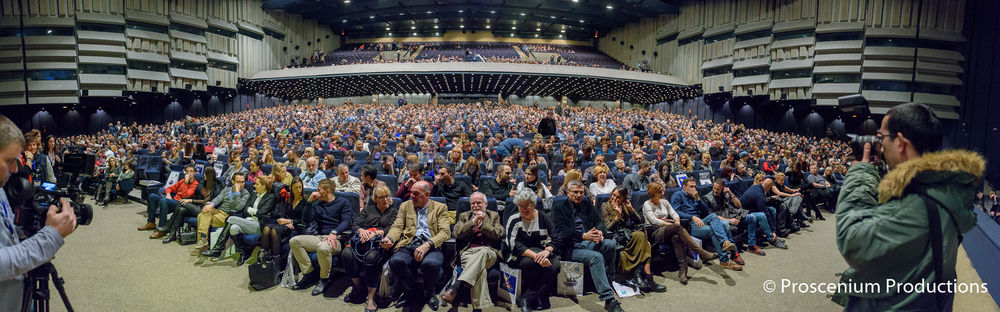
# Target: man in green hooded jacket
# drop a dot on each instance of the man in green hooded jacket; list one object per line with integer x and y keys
{"x": 883, "y": 227}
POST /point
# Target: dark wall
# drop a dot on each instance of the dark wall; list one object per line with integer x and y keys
{"x": 758, "y": 112}
{"x": 94, "y": 113}
{"x": 979, "y": 127}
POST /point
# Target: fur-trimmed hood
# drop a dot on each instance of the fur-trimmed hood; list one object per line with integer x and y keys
{"x": 958, "y": 163}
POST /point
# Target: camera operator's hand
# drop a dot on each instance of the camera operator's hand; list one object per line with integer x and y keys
{"x": 64, "y": 221}
{"x": 866, "y": 154}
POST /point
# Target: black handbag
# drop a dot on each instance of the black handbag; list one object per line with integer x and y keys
{"x": 369, "y": 252}
{"x": 188, "y": 237}
{"x": 264, "y": 274}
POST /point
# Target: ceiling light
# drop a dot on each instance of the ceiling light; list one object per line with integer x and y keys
{"x": 563, "y": 31}
{"x": 581, "y": 21}
{"x": 513, "y": 28}
{"x": 347, "y": 1}
{"x": 415, "y": 27}
{"x": 538, "y": 29}
{"x": 344, "y": 21}
{"x": 536, "y": 35}
{"x": 487, "y": 26}
{"x": 522, "y": 14}
{"x": 560, "y": 36}
{"x": 387, "y": 28}
{"x": 428, "y": 12}
{"x": 437, "y": 34}
{"x": 373, "y": 16}
{"x": 390, "y": 34}
{"x": 414, "y": 34}
{"x": 493, "y": 12}
{"x": 610, "y": 7}
{"x": 435, "y": 26}
{"x": 552, "y": 17}
{"x": 401, "y": 13}
{"x": 461, "y": 26}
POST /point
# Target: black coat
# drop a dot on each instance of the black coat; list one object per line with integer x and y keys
{"x": 564, "y": 214}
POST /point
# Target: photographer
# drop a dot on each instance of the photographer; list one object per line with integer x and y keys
{"x": 884, "y": 224}
{"x": 18, "y": 257}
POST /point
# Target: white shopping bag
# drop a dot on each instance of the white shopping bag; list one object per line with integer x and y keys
{"x": 510, "y": 283}
{"x": 288, "y": 278}
{"x": 385, "y": 283}
{"x": 570, "y": 278}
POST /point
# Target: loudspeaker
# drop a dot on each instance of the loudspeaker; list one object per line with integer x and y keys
{"x": 85, "y": 92}
{"x": 187, "y": 86}
{"x": 853, "y": 104}
{"x": 721, "y": 88}
{"x": 218, "y": 83}
{"x": 784, "y": 96}
{"x": 152, "y": 89}
{"x": 749, "y": 91}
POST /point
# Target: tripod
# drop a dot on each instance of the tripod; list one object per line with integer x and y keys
{"x": 36, "y": 289}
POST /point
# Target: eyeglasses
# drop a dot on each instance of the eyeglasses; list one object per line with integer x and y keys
{"x": 880, "y": 136}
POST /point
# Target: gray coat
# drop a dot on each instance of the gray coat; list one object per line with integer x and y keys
{"x": 17, "y": 257}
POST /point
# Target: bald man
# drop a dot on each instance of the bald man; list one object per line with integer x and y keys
{"x": 421, "y": 228}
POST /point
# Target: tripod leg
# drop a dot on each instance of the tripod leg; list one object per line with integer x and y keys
{"x": 58, "y": 281}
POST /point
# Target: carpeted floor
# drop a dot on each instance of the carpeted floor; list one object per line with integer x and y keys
{"x": 109, "y": 266}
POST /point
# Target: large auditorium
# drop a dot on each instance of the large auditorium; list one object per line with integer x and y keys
{"x": 499, "y": 155}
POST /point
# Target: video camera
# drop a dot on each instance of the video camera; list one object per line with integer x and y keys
{"x": 31, "y": 203}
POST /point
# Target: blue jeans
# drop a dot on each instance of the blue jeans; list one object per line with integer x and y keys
{"x": 754, "y": 220}
{"x": 403, "y": 265}
{"x": 602, "y": 260}
{"x": 158, "y": 206}
{"x": 716, "y": 230}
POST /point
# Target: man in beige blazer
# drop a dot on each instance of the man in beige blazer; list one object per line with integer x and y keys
{"x": 421, "y": 228}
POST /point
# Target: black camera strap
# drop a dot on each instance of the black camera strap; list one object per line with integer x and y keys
{"x": 936, "y": 240}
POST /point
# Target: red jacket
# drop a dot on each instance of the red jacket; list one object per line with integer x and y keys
{"x": 183, "y": 190}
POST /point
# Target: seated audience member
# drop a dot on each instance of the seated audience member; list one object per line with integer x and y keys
{"x": 388, "y": 165}
{"x": 501, "y": 187}
{"x": 104, "y": 188}
{"x": 639, "y": 179}
{"x": 477, "y": 233}
{"x": 668, "y": 230}
{"x": 279, "y": 174}
{"x": 620, "y": 167}
{"x": 235, "y": 165}
{"x": 189, "y": 207}
{"x": 371, "y": 225}
{"x": 471, "y": 168}
{"x": 574, "y": 175}
{"x": 530, "y": 245}
{"x": 531, "y": 182}
{"x": 446, "y": 186}
{"x": 753, "y": 200}
{"x": 791, "y": 201}
{"x": 602, "y": 185}
{"x": 231, "y": 200}
{"x": 415, "y": 175}
{"x": 822, "y": 189}
{"x": 311, "y": 175}
{"x": 255, "y": 171}
{"x": 669, "y": 164}
{"x": 345, "y": 182}
{"x": 589, "y": 175}
{"x": 127, "y": 174}
{"x": 421, "y": 228}
{"x": 158, "y": 206}
{"x": 329, "y": 162}
{"x": 625, "y": 226}
{"x": 295, "y": 161}
{"x": 292, "y": 210}
{"x": 369, "y": 182}
{"x": 259, "y": 207}
{"x": 705, "y": 225}
{"x": 331, "y": 217}
{"x": 581, "y": 230}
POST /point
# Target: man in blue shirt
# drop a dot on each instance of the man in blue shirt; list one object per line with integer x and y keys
{"x": 705, "y": 225}
{"x": 332, "y": 216}
{"x": 759, "y": 216}
{"x": 312, "y": 175}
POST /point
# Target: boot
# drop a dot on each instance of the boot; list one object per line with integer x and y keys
{"x": 652, "y": 285}
{"x": 682, "y": 274}
{"x": 170, "y": 238}
{"x": 245, "y": 253}
{"x": 637, "y": 280}
{"x": 202, "y": 242}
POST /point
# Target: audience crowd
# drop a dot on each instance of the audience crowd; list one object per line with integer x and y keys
{"x": 432, "y": 187}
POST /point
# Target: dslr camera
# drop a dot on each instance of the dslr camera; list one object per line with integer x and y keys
{"x": 31, "y": 203}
